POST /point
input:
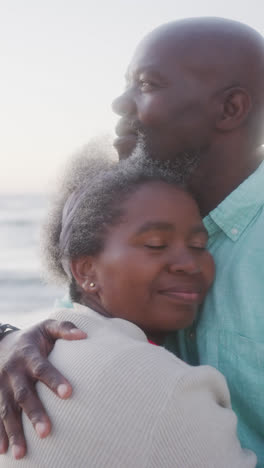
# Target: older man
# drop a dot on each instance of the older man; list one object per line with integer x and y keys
{"x": 194, "y": 93}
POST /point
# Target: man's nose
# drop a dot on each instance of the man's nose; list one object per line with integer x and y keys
{"x": 124, "y": 105}
{"x": 184, "y": 262}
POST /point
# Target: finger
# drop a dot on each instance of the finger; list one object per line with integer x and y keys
{"x": 41, "y": 369}
{"x": 26, "y": 398}
{"x": 3, "y": 439}
{"x": 64, "y": 330}
{"x": 11, "y": 418}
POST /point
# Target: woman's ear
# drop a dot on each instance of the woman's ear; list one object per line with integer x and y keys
{"x": 236, "y": 105}
{"x": 83, "y": 271}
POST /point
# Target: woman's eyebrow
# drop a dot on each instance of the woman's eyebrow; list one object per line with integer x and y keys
{"x": 163, "y": 226}
{"x": 155, "y": 225}
{"x": 200, "y": 229}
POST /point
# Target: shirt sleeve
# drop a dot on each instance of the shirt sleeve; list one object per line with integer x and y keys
{"x": 197, "y": 427}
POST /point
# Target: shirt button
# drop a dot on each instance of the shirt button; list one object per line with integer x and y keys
{"x": 234, "y": 231}
{"x": 192, "y": 335}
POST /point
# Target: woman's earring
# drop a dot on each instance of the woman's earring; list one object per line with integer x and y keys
{"x": 84, "y": 284}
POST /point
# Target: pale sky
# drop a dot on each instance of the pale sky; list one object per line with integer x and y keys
{"x": 63, "y": 62}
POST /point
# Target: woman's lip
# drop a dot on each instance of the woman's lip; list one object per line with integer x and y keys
{"x": 190, "y": 297}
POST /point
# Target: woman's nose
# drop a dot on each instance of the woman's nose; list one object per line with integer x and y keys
{"x": 184, "y": 262}
{"x": 124, "y": 105}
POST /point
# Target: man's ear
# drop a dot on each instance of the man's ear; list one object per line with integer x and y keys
{"x": 236, "y": 105}
{"x": 83, "y": 271}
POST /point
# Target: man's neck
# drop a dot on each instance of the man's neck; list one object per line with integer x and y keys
{"x": 217, "y": 177}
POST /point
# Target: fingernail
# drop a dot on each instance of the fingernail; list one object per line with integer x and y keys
{"x": 17, "y": 451}
{"x": 42, "y": 429}
{"x": 76, "y": 331}
{"x": 63, "y": 390}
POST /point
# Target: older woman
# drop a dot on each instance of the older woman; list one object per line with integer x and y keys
{"x": 129, "y": 241}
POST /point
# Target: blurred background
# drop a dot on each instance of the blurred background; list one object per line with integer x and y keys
{"x": 62, "y": 63}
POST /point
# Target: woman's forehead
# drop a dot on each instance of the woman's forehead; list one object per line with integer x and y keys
{"x": 160, "y": 202}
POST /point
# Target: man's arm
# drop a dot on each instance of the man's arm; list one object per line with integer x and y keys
{"x": 23, "y": 361}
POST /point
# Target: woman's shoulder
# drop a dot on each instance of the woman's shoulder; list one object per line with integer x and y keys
{"x": 120, "y": 349}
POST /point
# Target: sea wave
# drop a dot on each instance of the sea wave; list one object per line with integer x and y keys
{"x": 22, "y": 290}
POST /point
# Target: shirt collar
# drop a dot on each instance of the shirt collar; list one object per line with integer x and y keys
{"x": 236, "y": 211}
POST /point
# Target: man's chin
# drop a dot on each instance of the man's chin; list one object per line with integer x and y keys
{"x": 125, "y": 145}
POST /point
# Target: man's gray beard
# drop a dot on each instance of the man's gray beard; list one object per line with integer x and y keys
{"x": 184, "y": 163}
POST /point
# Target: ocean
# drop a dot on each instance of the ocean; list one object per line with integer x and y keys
{"x": 24, "y": 296}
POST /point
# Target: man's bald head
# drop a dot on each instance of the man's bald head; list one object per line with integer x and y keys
{"x": 203, "y": 34}
{"x": 218, "y": 48}
{"x": 195, "y": 87}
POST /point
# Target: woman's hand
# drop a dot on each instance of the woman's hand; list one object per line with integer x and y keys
{"x": 23, "y": 361}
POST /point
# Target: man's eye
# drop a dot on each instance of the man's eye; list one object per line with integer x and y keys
{"x": 146, "y": 85}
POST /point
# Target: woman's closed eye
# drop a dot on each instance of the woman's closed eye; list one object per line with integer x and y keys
{"x": 157, "y": 246}
{"x": 199, "y": 246}
{"x": 198, "y": 242}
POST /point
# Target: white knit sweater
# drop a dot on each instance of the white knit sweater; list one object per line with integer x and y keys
{"x": 135, "y": 405}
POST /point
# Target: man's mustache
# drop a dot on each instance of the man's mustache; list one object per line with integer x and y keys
{"x": 127, "y": 126}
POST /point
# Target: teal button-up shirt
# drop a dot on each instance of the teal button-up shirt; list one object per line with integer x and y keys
{"x": 229, "y": 331}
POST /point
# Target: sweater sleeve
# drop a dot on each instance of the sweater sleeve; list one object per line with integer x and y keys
{"x": 197, "y": 427}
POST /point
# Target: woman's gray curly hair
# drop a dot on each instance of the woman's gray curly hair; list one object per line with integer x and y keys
{"x": 89, "y": 200}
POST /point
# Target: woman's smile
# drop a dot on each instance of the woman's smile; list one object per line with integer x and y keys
{"x": 181, "y": 295}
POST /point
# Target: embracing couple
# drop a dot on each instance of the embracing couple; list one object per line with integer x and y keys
{"x": 129, "y": 241}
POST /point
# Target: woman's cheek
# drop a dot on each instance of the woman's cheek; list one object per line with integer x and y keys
{"x": 208, "y": 271}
